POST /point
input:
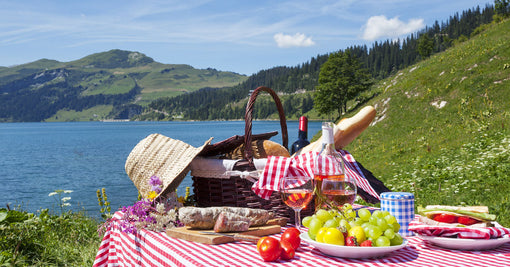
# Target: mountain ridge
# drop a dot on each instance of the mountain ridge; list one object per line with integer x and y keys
{"x": 115, "y": 78}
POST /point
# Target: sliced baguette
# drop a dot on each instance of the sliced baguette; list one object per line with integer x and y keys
{"x": 480, "y": 209}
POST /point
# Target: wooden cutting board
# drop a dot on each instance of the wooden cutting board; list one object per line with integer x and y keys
{"x": 197, "y": 236}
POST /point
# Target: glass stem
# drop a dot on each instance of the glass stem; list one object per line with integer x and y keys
{"x": 297, "y": 219}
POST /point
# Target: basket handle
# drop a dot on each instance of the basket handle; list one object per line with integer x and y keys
{"x": 248, "y": 151}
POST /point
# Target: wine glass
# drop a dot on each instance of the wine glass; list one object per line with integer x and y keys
{"x": 339, "y": 190}
{"x": 297, "y": 192}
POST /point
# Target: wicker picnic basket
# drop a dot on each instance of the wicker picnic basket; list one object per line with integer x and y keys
{"x": 235, "y": 191}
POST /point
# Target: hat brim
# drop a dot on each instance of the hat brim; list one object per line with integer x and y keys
{"x": 161, "y": 156}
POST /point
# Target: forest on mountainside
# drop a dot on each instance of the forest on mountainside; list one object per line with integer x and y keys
{"x": 295, "y": 84}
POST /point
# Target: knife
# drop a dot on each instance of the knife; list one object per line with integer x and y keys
{"x": 237, "y": 237}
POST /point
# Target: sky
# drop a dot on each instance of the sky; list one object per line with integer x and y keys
{"x": 240, "y": 36}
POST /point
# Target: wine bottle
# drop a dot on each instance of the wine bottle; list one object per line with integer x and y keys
{"x": 329, "y": 165}
{"x": 302, "y": 136}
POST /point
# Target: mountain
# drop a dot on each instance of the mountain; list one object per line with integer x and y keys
{"x": 116, "y": 84}
{"x": 442, "y": 129}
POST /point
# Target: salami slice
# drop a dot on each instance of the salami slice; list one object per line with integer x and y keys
{"x": 231, "y": 222}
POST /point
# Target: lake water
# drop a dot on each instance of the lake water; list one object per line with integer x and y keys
{"x": 38, "y": 158}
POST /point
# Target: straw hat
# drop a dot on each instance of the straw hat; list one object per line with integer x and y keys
{"x": 158, "y": 155}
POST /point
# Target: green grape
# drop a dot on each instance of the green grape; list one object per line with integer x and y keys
{"x": 397, "y": 240}
{"x": 385, "y": 213}
{"x": 359, "y": 221}
{"x": 382, "y": 241}
{"x": 315, "y": 225}
{"x": 344, "y": 224}
{"x": 306, "y": 221}
{"x": 366, "y": 226}
{"x": 373, "y": 220}
{"x": 377, "y": 214}
{"x": 323, "y": 215}
{"x": 396, "y": 227}
{"x": 331, "y": 223}
{"x": 347, "y": 206}
{"x": 333, "y": 213}
{"x": 354, "y": 223}
{"x": 389, "y": 233}
{"x": 381, "y": 222}
{"x": 364, "y": 214}
{"x": 374, "y": 232}
{"x": 350, "y": 214}
{"x": 390, "y": 219}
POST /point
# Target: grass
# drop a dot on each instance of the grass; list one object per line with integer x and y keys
{"x": 68, "y": 239}
{"x": 95, "y": 113}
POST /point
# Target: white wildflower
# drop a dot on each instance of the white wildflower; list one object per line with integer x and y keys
{"x": 52, "y": 194}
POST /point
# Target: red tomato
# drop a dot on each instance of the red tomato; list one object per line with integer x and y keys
{"x": 467, "y": 220}
{"x": 445, "y": 218}
{"x": 366, "y": 243}
{"x": 351, "y": 241}
{"x": 269, "y": 248}
{"x": 292, "y": 236}
{"x": 288, "y": 251}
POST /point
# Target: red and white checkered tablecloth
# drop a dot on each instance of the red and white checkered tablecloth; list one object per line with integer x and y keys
{"x": 148, "y": 248}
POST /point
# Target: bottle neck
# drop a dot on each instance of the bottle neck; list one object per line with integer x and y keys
{"x": 302, "y": 135}
{"x": 327, "y": 135}
{"x": 303, "y": 128}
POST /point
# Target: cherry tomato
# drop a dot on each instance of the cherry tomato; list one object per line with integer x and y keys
{"x": 334, "y": 236}
{"x": 467, "y": 220}
{"x": 269, "y": 248}
{"x": 292, "y": 236}
{"x": 445, "y": 218}
{"x": 351, "y": 241}
{"x": 288, "y": 251}
{"x": 320, "y": 235}
{"x": 358, "y": 232}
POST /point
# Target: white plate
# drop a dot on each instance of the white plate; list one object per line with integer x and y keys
{"x": 351, "y": 252}
{"x": 466, "y": 243}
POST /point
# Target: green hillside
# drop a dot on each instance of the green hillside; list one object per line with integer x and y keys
{"x": 442, "y": 129}
{"x": 120, "y": 81}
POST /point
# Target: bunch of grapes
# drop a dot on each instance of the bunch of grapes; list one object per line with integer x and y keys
{"x": 380, "y": 227}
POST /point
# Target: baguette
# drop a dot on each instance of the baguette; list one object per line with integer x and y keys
{"x": 346, "y": 130}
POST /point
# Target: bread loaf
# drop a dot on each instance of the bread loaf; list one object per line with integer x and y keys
{"x": 261, "y": 149}
{"x": 346, "y": 130}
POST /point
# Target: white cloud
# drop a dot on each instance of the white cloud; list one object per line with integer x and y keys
{"x": 298, "y": 39}
{"x": 380, "y": 27}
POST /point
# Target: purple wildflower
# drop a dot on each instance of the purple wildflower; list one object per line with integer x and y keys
{"x": 156, "y": 189}
{"x": 155, "y": 181}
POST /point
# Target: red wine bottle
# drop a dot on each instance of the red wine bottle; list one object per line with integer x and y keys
{"x": 302, "y": 136}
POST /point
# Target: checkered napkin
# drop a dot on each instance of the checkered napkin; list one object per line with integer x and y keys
{"x": 459, "y": 232}
{"x": 278, "y": 167}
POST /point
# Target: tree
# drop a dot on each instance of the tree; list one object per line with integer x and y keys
{"x": 341, "y": 79}
{"x": 425, "y": 45}
{"x": 502, "y": 7}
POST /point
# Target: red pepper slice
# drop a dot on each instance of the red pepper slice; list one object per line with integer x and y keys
{"x": 445, "y": 218}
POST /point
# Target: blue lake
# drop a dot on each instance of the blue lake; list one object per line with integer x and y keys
{"x": 38, "y": 158}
